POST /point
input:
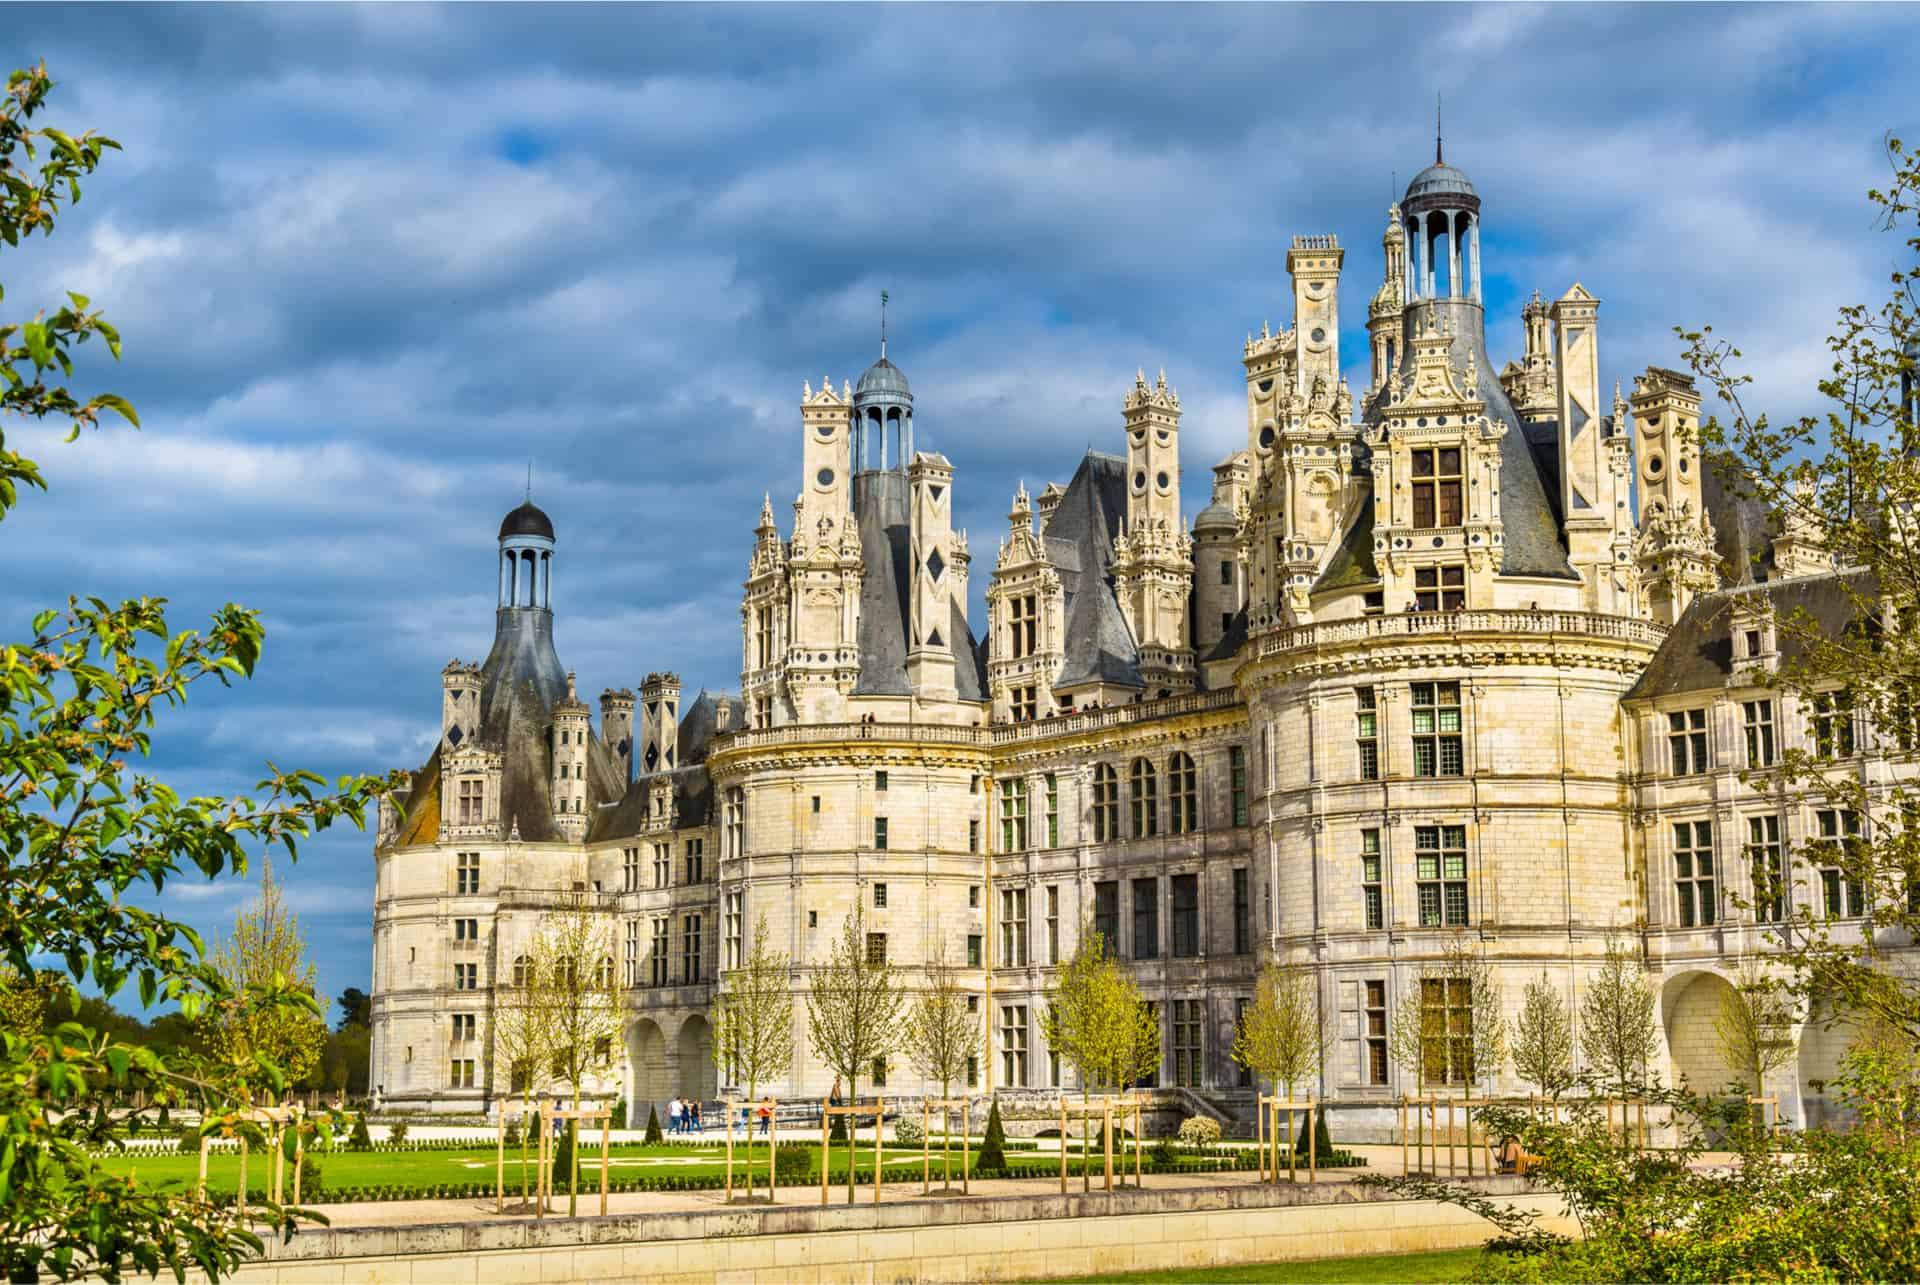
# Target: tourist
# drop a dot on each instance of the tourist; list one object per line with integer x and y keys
{"x": 699, "y": 1126}
{"x": 766, "y": 1116}
{"x": 673, "y": 1116}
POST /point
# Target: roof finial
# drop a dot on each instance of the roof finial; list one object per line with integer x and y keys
{"x": 1438, "y": 159}
{"x": 529, "y": 496}
{"x": 883, "y": 325}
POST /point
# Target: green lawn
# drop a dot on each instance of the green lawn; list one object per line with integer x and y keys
{"x": 1434, "y": 1267}
{"x": 428, "y": 1168}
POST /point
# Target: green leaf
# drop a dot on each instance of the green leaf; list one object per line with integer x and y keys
{"x": 115, "y": 402}
{"x": 34, "y": 336}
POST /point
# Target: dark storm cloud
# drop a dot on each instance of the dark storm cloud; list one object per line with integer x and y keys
{"x": 370, "y": 262}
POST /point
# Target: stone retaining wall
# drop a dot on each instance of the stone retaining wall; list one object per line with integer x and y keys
{"x": 1002, "y": 1238}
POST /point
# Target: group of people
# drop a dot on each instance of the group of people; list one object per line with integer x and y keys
{"x": 683, "y": 1116}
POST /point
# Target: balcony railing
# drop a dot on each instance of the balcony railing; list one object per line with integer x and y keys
{"x": 755, "y": 738}
{"x": 1071, "y": 722}
{"x": 556, "y": 899}
{"x": 1417, "y": 624}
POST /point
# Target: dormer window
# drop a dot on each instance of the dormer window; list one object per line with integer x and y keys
{"x": 471, "y": 801}
{"x": 1439, "y": 588}
{"x": 1437, "y": 488}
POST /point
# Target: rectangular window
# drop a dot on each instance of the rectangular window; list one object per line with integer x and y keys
{"x": 466, "y": 930}
{"x": 1185, "y": 895}
{"x": 1053, "y": 810}
{"x": 880, "y": 896}
{"x": 880, "y": 782}
{"x": 696, "y": 860}
{"x": 1013, "y": 1045}
{"x": 1106, "y": 914}
{"x": 1146, "y": 919}
{"x": 1833, "y": 724}
{"x": 1053, "y": 923}
{"x": 463, "y": 1072}
{"x": 465, "y": 1026}
{"x": 1013, "y": 928}
{"x": 1151, "y": 1008}
{"x": 877, "y": 949}
{"x": 1436, "y": 489}
{"x": 973, "y": 950}
{"x": 1013, "y": 815}
{"x": 735, "y": 928}
{"x": 690, "y": 950}
{"x": 1838, "y": 855}
{"x": 1376, "y": 1032}
{"x": 466, "y": 977}
{"x": 973, "y": 835}
{"x": 1237, "y": 771}
{"x": 1693, "y": 873}
{"x": 1440, "y": 855}
{"x": 662, "y": 865}
{"x": 879, "y": 1074}
{"x": 659, "y": 958}
{"x": 1768, "y": 869}
{"x": 1226, "y": 572}
{"x": 1439, "y": 588}
{"x": 1189, "y": 1055}
{"x": 1024, "y": 703}
{"x": 467, "y": 874}
{"x": 1023, "y": 625}
{"x": 736, "y": 823}
{"x": 630, "y": 959}
{"x": 1687, "y": 741}
{"x": 630, "y": 869}
{"x": 880, "y": 833}
{"x": 973, "y": 896}
{"x": 1143, "y": 794}
{"x": 1242, "y": 910}
{"x": 1447, "y": 1040}
{"x": 471, "y": 802}
{"x": 1372, "y": 891}
{"x": 1367, "y": 732}
{"x": 1437, "y": 747}
{"x": 973, "y": 1071}
{"x": 1758, "y": 717}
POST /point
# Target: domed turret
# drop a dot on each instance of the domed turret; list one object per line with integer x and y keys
{"x": 1442, "y": 217}
{"x": 882, "y": 413}
{"x": 526, "y": 559}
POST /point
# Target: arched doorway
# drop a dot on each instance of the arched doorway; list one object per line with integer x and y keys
{"x": 695, "y": 1048}
{"x": 1823, "y": 1043}
{"x": 649, "y": 1075}
{"x": 1689, "y": 1004}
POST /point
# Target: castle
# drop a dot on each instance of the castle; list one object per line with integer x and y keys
{"x": 1476, "y": 652}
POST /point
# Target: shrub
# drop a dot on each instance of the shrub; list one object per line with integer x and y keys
{"x": 1199, "y": 1132}
{"x": 190, "y": 1141}
{"x": 993, "y": 1149}
{"x": 563, "y": 1160}
{"x": 1322, "y": 1140}
{"x": 512, "y": 1134}
{"x": 907, "y": 1132}
{"x": 1162, "y": 1155}
{"x": 397, "y": 1132}
{"x": 653, "y": 1126}
{"x": 360, "y": 1140}
{"x": 312, "y": 1179}
{"x": 794, "y": 1165}
{"x": 620, "y": 1114}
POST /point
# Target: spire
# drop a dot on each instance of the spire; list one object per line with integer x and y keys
{"x": 1438, "y": 157}
{"x": 529, "y": 495}
{"x": 883, "y": 324}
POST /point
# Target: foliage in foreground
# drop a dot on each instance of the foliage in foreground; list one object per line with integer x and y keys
{"x": 85, "y": 837}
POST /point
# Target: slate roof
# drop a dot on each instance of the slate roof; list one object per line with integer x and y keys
{"x": 1079, "y": 539}
{"x": 1697, "y": 654}
{"x": 1352, "y": 565}
{"x": 1743, "y": 530}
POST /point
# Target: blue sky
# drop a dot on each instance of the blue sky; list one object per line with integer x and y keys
{"x": 369, "y": 261}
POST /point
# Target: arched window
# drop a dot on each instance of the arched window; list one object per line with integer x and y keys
{"x": 736, "y": 817}
{"x": 1144, "y": 794}
{"x": 523, "y": 971}
{"x": 1106, "y": 803}
{"x": 1183, "y": 793}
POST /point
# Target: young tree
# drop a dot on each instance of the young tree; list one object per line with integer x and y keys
{"x": 1848, "y": 482}
{"x": 83, "y": 835}
{"x": 1617, "y": 1027}
{"x": 1282, "y": 1038}
{"x": 853, "y": 1007}
{"x": 753, "y": 1022}
{"x": 1543, "y": 1038}
{"x": 572, "y": 987}
{"x": 941, "y": 1034}
{"x": 1755, "y": 1025}
{"x": 265, "y": 955}
{"x": 523, "y": 1041}
{"x": 1451, "y": 1027}
{"x": 1096, "y": 1019}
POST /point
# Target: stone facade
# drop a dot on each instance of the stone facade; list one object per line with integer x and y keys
{"x": 1481, "y": 660}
